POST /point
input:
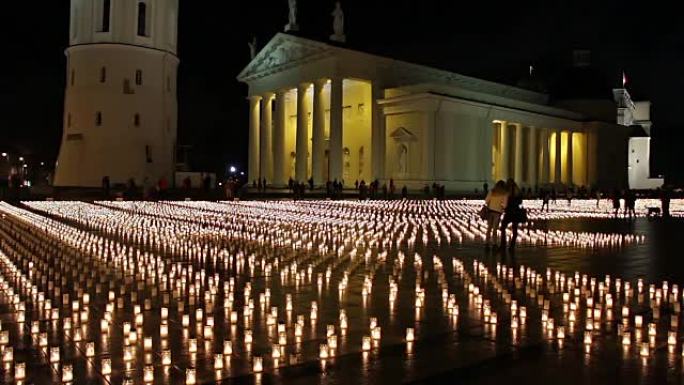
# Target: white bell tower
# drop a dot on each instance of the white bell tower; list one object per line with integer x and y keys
{"x": 120, "y": 110}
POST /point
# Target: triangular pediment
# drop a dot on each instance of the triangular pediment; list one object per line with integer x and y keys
{"x": 402, "y": 135}
{"x": 282, "y": 52}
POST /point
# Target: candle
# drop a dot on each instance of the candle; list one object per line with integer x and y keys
{"x": 258, "y": 365}
{"x": 672, "y": 338}
{"x": 166, "y": 357}
{"x": 410, "y": 337}
{"x": 20, "y": 371}
{"x": 323, "y": 351}
{"x": 218, "y": 361}
{"x": 54, "y": 355}
{"x": 106, "y": 366}
{"x": 148, "y": 374}
{"x": 366, "y": 343}
{"x": 190, "y": 377}
{"x": 67, "y": 373}
{"x": 227, "y": 348}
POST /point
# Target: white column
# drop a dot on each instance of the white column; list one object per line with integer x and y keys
{"x": 378, "y": 133}
{"x": 505, "y": 152}
{"x": 532, "y": 157}
{"x": 545, "y": 156}
{"x": 279, "y": 141}
{"x": 558, "y": 165}
{"x": 302, "y": 145}
{"x": 518, "y": 170}
{"x": 266, "y": 147}
{"x": 429, "y": 147}
{"x": 336, "y": 128}
{"x": 254, "y": 122}
{"x": 318, "y": 143}
{"x": 569, "y": 160}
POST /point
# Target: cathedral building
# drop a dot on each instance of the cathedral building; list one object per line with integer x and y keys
{"x": 120, "y": 110}
{"x": 321, "y": 110}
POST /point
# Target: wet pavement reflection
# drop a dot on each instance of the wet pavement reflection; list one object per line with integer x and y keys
{"x": 331, "y": 292}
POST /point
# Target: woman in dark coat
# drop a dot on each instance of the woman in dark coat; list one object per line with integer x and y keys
{"x": 512, "y": 214}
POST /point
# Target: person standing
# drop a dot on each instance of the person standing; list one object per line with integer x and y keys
{"x": 392, "y": 188}
{"x": 665, "y": 201}
{"x": 495, "y": 202}
{"x": 630, "y": 203}
{"x": 512, "y": 214}
{"x": 105, "y": 187}
{"x": 163, "y": 187}
{"x": 545, "y": 200}
{"x": 616, "y": 202}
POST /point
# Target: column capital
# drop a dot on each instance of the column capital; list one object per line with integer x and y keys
{"x": 254, "y": 98}
{"x": 320, "y": 82}
{"x": 268, "y": 95}
{"x": 304, "y": 85}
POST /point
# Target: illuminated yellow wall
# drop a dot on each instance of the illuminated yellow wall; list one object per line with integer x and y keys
{"x": 309, "y": 125}
{"x": 357, "y": 131}
{"x": 543, "y": 147}
{"x": 290, "y": 132}
{"x": 579, "y": 159}
{"x": 564, "y": 157}
{"x": 552, "y": 156}
{"x": 496, "y": 150}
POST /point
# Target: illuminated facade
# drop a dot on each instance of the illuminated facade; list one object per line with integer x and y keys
{"x": 327, "y": 112}
{"x": 120, "y": 110}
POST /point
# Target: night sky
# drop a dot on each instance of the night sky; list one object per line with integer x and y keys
{"x": 492, "y": 40}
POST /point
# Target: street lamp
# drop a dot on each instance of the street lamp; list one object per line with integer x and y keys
{"x": 233, "y": 169}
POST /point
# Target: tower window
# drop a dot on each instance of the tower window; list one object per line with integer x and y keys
{"x": 98, "y": 119}
{"x": 138, "y": 77}
{"x": 69, "y": 120}
{"x": 106, "y": 15}
{"x": 148, "y": 154}
{"x": 136, "y": 120}
{"x": 72, "y": 78}
{"x": 103, "y": 74}
{"x": 142, "y": 19}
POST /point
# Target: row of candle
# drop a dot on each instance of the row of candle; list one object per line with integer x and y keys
{"x": 199, "y": 279}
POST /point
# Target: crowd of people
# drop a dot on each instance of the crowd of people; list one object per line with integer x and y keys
{"x": 335, "y": 189}
{"x": 503, "y": 206}
{"x": 503, "y": 200}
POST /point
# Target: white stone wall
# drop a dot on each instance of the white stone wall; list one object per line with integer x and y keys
{"x": 119, "y": 75}
{"x": 162, "y": 20}
{"x": 638, "y": 170}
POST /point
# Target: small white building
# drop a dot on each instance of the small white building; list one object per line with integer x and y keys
{"x": 638, "y": 116}
{"x": 120, "y": 110}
